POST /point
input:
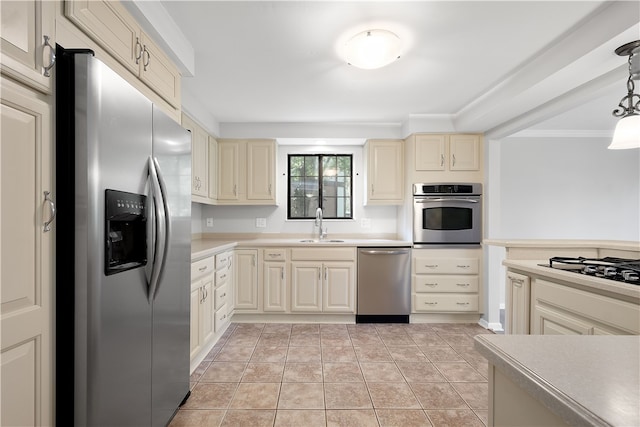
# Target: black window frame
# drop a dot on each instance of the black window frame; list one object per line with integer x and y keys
{"x": 321, "y": 198}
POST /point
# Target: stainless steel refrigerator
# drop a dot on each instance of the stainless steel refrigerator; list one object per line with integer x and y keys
{"x": 123, "y": 250}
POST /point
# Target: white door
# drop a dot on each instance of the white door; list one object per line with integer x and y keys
{"x": 274, "y": 286}
{"x": 339, "y": 287}
{"x": 306, "y": 286}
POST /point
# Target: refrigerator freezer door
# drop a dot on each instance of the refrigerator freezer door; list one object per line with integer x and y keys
{"x": 112, "y": 313}
{"x": 171, "y": 305}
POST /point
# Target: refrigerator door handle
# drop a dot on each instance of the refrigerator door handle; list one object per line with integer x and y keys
{"x": 166, "y": 226}
{"x": 159, "y": 246}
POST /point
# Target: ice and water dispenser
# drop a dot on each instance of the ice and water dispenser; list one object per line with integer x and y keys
{"x": 125, "y": 231}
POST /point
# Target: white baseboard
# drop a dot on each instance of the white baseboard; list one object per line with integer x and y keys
{"x": 496, "y": 327}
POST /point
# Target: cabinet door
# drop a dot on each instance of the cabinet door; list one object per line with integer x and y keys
{"x": 208, "y": 309}
{"x": 430, "y": 152}
{"x": 551, "y": 322}
{"x": 110, "y": 25}
{"x": 199, "y": 157}
{"x": 306, "y": 286}
{"x": 228, "y": 168}
{"x": 25, "y": 23}
{"x": 246, "y": 279}
{"x": 158, "y": 72}
{"x": 517, "y": 303}
{"x": 385, "y": 172}
{"x": 194, "y": 320}
{"x": 26, "y": 258}
{"x": 213, "y": 168}
{"x": 261, "y": 170}
{"x": 339, "y": 287}
{"x": 464, "y": 152}
{"x": 274, "y": 286}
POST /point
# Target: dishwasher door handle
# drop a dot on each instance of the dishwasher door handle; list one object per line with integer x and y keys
{"x": 384, "y": 252}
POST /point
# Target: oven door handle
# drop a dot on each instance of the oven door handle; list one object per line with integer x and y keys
{"x": 446, "y": 200}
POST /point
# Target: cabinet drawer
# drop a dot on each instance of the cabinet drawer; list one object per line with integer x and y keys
{"x": 221, "y": 295}
{"x": 201, "y": 268}
{"x": 222, "y": 276}
{"x": 445, "y": 302}
{"x": 223, "y": 260}
{"x": 434, "y": 283}
{"x": 222, "y": 317}
{"x": 446, "y": 265}
{"x": 275, "y": 254}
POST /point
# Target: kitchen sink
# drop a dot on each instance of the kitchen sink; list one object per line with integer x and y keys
{"x": 321, "y": 241}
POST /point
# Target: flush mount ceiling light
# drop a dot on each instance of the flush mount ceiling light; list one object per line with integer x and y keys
{"x": 372, "y": 49}
{"x": 627, "y": 133}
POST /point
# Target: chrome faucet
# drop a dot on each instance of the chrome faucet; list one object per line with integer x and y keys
{"x": 322, "y": 233}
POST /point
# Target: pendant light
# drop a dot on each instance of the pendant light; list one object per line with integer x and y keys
{"x": 627, "y": 132}
{"x": 372, "y": 49}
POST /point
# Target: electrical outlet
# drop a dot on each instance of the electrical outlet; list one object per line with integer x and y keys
{"x": 365, "y": 222}
{"x": 209, "y": 222}
{"x": 261, "y": 222}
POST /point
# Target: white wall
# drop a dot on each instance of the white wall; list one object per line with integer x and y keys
{"x": 568, "y": 188}
{"x": 557, "y": 188}
{"x": 242, "y": 219}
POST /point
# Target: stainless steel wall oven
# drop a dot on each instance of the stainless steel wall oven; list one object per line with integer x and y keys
{"x": 447, "y": 213}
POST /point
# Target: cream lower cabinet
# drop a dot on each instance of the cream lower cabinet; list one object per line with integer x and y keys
{"x": 246, "y": 279}
{"x": 517, "y": 303}
{"x": 274, "y": 280}
{"x": 223, "y": 293}
{"x": 202, "y": 304}
{"x": 446, "y": 280}
{"x": 26, "y": 258}
{"x": 558, "y": 309}
{"x": 323, "y": 280}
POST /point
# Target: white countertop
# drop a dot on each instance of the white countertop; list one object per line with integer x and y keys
{"x": 559, "y": 243}
{"x": 585, "y": 380}
{"x": 205, "y": 247}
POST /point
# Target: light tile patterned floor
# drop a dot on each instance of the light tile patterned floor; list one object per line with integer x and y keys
{"x": 340, "y": 375}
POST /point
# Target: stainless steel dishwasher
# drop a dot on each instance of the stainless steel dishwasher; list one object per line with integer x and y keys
{"x": 384, "y": 285}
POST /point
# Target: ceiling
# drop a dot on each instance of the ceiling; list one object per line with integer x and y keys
{"x": 466, "y": 66}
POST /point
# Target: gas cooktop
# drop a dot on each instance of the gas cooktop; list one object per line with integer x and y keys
{"x": 618, "y": 269}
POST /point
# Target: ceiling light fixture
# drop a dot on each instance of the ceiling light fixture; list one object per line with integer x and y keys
{"x": 372, "y": 49}
{"x": 627, "y": 133}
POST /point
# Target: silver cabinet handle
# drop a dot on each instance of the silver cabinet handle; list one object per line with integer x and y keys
{"x": 433, "y": 285}
{"x": 431, "y": 265}
{"x": 234, "y": 189}
{"x": 463, "y": 266}
{"x": 431, "y": 303}
{"x": 146, "y": 62}
{"x": 453, "y": 156}
{"x": 464, "y": 285}
{"x": 319, "y": 274}
{"x": 462, "y": 303}
{"x": 282, "y": 273}
{"x": 253, "y": 260}
{"x": 372, "y": 190}
{"x": 52, "y": 207}
{"x": 269, "y": 188}
{"x": 138, "y": 50}
{"x": 203, "y": 268}
{"x": 441, "y": 159}
{"x": 224, "y": 276}
{"x": 52, "y": 57}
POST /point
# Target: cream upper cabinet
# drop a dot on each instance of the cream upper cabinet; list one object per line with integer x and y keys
{"x": 261, "y": 170}
{"x": 246, "y": 279}
{"x": 384, "y": 174}
{"x": 246, "y": 172}
{"x": 229, "y": 170}
{"x": 110, "y": 25}
{"x": 26, "y": 258}
{"x": 28, "y": 42}
{"x": 199, "y": 159}
{"x": 464, "y": 152}
{"x": 212, "y": 168}
{"x": 457, "y": 152}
